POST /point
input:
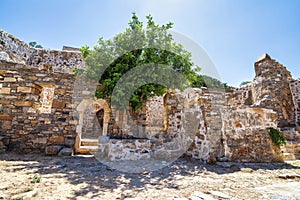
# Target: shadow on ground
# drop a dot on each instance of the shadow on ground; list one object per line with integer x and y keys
{"x": 100, "y": 178}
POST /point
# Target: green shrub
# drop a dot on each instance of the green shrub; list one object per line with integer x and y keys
{"x": 277, "y": 137}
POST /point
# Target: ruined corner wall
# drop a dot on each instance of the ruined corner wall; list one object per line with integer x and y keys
{"x": 36, "y": 97}
{"x": 270, "y": 89}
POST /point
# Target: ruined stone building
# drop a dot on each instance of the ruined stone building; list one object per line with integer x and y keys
{"x": 41, "y": 112}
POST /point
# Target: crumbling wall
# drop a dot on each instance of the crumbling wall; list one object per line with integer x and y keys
{"x": 270, "y": 89}
{"x": 240, "y": 96}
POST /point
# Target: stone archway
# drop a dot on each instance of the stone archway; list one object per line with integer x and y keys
{"x": 87, "y": 113}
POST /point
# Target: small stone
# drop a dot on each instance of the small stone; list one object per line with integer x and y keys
{"x": 248, "y": 170}
{"x": 197, "y": 195}
{"x": 222, "y": 159}
{"x": 289, "y": 176}
{"x": 218, "y": 194}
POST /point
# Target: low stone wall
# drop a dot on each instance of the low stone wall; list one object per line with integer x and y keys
{"x": 246, "y": 137}
{"x": 55, "y": 61}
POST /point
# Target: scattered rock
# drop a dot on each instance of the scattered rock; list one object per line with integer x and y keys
{"x": 219, "y": 195}
{"x": 289, "y": 176}
{"x": 200, "y": 196}
{"x": 246, "y": 169}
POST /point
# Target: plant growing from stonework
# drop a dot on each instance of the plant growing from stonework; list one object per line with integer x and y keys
{"x": 277, "y": 137}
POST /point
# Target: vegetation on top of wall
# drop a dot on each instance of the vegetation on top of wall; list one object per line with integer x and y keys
{"x": 35, "y": 45}
{"x": 276, "y": 136}
{"x": 209, "y": 82}
{"x": 245, "y": 83}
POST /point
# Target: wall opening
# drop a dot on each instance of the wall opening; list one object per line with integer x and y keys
{"x": 94, "y": 116}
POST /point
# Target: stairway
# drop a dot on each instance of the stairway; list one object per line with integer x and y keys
{"x": 291, "y": 150}
{"x": 88, "y": 146}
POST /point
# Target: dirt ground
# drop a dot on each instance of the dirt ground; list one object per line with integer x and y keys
{"x": 32, "y": 176}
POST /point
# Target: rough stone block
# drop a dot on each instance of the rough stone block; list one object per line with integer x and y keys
{"x": 56, "y": 139}
{"x": 10, "y": 79}
{"x": 6, "y": 117}
{"x": 53, "y": 150}
{"x": 58, "y": 104}
{"x": 6, "y": 125}
{"x": 5, "y": 90}
{"x": 27, "y": 90}
{"x": 73, "y": 122}
{"x": 2, "y": 72}
{"x": 23, "y": 103}
{"x": 4, "y": 102}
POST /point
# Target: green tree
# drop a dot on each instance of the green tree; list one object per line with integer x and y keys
{"x": 137, "y": 45}
{"x": 85, "y": 50}
{"x": 209, "y": 82}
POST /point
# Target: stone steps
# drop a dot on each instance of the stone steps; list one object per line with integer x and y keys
{"x": 89, "y": 142}
{"x": 291, "y": 151}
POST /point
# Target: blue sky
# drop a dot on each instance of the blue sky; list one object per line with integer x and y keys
{"x": 233, "y": 33}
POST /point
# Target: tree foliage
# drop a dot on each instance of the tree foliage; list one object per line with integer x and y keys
{"x": 209, "y": 82}
{"x": 139, "y": 45}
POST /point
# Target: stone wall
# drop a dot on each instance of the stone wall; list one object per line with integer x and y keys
{"x": 270, "y": 89}
{"x": 13, "y": 50}
{"x": 240, "y": 96}
{"x": 246, "y": 136}
{"x": 295, "y": 88}
{"x": 36, "y": 97}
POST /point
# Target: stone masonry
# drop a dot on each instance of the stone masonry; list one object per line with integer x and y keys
{"x": 36, "y": 103}
{"x": 41, "y": 111}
